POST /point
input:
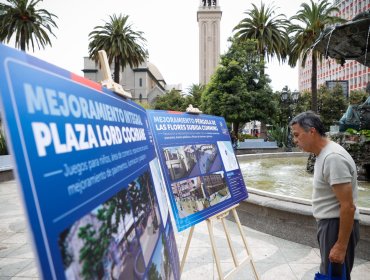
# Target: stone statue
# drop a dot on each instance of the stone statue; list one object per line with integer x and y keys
{"x": 356, "y": 117}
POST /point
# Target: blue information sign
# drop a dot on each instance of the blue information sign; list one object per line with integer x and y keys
{"x": 200, "y": 168}
{"x": 89, "y": 175}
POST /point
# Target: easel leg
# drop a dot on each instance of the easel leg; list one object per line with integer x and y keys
{"x": 213, "y": 244}
{"x": 236, "y": 263}
{"x": 186, "y": 249}
{"x": 236, "y": 217}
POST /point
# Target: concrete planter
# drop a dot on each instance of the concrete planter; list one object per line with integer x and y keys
{"x": 292, "y": 219}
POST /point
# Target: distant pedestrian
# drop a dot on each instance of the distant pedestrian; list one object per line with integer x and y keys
{"x": 334, "y": 195}
{"x": 234, "y": 140}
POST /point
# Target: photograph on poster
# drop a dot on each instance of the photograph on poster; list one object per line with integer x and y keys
{"x": 195, "y": 194}
{"x": 181, "y": 161}
{"x": 227, "y": 155}
{"x": 189, "y": 196}
{"x": 199, "y": 165}
{"x": 172, "y": 249}
{"x": 160, "y": 188}
{"x": 160, "y": 267}
{"x": 103, "y": 243}
{"x": 146, "y": 213}
{"x": 117, "y": 238}
{"x": 215, "y": 188}
{"x": 208, "y": 158}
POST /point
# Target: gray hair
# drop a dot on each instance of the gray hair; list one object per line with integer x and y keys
{"x": 309, "y": 119}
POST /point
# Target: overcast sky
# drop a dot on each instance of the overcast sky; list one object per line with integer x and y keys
{"x": 169, "y": 26}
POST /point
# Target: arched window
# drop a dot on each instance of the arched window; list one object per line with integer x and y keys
{"x": 141, "y": 82}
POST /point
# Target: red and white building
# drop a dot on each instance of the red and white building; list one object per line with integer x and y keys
{"x": 355, "y": 73}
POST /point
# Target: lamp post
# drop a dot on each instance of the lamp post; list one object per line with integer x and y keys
{"x": 289, "y": 98}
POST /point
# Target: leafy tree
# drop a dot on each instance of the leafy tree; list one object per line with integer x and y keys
{"x": 268, "y": 30}
{"x": 91, "y": 253}
{"x": 237, "y": 90}
{"x": 173, "y": 100}
{"x": 332, "y": 105}
{"x": 311, "y": 21}
{"x": 139, "y": 198}
{"x": 280, "y": 135}
{"x": 290, "y": 108}
{"x": 166, "y": 259}
{"x": 123, "y": 45}
{"x": 21, "y": 19}
{"x": 142, "y": 199}
{"x": 153, "y": 273}
{"x": 63, "y": 246}
{"x": 145, "y": 105}
{"x": 287, "y": 110}
{"x": 194, "y": 95}
{"x": 358, "y": 97}
{"x": 96, "y": 243}
{"x": 303, "y": 104}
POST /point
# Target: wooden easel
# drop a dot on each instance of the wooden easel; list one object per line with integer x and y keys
{"x": 221, "y": 216}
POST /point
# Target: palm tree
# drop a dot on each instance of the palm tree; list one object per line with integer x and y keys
{"x": 21, "y": 19}
{"x": 269, "y": 31}
{"x": 194, "y": 95}
{"x": 123, "y": 45}
{"x": 313, "y": 18}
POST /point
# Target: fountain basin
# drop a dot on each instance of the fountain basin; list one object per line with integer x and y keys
{"x": 287, "y": 216}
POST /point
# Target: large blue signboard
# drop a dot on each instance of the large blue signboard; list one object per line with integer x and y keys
{"x": 200, "y": 168}
{"x": 90, "y": 178}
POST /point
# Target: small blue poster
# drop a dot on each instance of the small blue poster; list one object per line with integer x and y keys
{"x": 90, "y": 178}
{"x": 200, "y": 168}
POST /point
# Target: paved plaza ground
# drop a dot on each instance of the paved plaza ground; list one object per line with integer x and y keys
{"x": 275, "y": 258}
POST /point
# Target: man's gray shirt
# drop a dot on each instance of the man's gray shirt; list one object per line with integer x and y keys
{"x": 333, "y": 165}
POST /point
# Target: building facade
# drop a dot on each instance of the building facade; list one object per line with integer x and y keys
{"x": 209, "y": 18}
{"x": 145, "y": 82}
{"x": 357, "y": 75}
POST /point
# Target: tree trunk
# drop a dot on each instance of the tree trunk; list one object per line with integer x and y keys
{"x": 116, "y": 70}
{"x": 236, "y": 128}
{"x": 23, "y": 42}
{"x": 314, "y": 82}
{"x": 263, "y": 131}
{"x": 262, "y": 60}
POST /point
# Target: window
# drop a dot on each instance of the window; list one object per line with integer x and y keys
{"x": 141, "y": 82}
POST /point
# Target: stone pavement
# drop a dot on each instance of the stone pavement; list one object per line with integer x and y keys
{"x": 275, "y": 258}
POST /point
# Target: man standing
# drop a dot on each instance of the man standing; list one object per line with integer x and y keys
{"x": 334, "y": 193}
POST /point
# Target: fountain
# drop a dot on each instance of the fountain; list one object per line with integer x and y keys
{"x": 275, "y": 176}
{"x": 279, "y": 201}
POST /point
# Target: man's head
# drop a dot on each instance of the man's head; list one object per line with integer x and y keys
{"x": 308, "y": 132}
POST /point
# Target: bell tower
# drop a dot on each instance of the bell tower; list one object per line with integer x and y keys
{"x": 209, "y": 18}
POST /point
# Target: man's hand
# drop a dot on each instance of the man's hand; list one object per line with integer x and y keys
{"x": 337, "y": 253}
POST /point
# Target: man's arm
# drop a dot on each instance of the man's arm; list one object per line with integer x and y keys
{"x": 343, "y": 192}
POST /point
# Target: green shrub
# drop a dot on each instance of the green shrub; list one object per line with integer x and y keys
{"x": 280, "y": 135}
{"x": 242, "y": 137}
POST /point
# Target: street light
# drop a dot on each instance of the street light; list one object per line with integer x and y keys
{"x": 295, "y": 96}
{"x": 289, "y": 98}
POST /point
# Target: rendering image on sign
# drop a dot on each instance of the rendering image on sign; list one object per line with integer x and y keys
{"x": 90, "y": 178}
{"x": 199, "y": 165}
